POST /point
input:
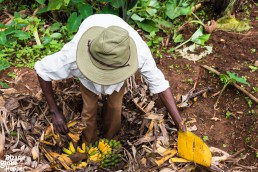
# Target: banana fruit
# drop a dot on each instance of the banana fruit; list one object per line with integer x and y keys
{"x": 104, "y": 152}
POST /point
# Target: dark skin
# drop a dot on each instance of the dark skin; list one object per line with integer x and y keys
{"x": 59, "y": 120}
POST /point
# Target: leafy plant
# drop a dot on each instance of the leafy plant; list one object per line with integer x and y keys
{"x": 249, "y": 101}
{"x": 227, "y": 79}
{"x": 21, "y": 44}
{"x": 12, "y": 75}
{"x": 228, "y": 114}
{"x": 205, "y": 138}
{"x": 4, "y": 64}
{"x": 77, "y": 10}
{"x": 255, "y": 90}
{"x": 198, "y": 37}
{"x": 176, "y": 8}
{"x": 253, "y": 68}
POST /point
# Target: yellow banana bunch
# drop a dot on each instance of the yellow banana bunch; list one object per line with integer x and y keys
{"x": 82, "y": 149}
{"x": 70, "y": 149}
{"x": 67, "y": 151}
{"x": 94, "y": 154}
{"x": 83, "y": 164}
{"x": 104, "y": 147}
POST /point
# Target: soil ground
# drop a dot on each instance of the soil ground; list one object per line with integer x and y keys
{"x": 231, "y": 52}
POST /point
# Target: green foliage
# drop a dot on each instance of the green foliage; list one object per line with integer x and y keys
{"x": 227, "y": 79}
{"x": 28, "y": 39}
{"x": 73, "y": 22}
{"x": 249, "y": 101}
{"x": 253, "y": 68}
{"x": 4, "y": 64}
{"x": 3, "y": 85}
{"x": 198, "y": 37}
{"x": 77, "y": 10}
{"x": 21, "y": 45}
{"x": 228, "y": 114}
{"x": 231, "y": 78}
{"x": 176, "y": 8}
{"x": 205, "y": 138}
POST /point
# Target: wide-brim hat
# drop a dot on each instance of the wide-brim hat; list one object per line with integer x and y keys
{"x": 107, "y": 56}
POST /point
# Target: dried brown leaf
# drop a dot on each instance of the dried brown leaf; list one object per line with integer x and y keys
{"x": 35, "y": 152}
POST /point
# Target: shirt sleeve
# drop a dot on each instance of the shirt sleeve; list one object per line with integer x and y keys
{"x": 59, "y": 65}
{"x": 152, "y": 75}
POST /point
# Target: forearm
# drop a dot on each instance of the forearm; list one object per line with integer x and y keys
{"x": 47, "y": 90}
{"x": 169, "y": 102}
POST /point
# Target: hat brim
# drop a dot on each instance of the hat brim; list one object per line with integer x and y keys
{"x": 101, "y": 76}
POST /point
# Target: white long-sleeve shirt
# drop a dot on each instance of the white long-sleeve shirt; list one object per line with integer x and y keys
{"x": 62, "y": 65}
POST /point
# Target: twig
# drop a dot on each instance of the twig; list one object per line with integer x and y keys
{"x": 256, "y": 150}
{"x": 236, "y": 85}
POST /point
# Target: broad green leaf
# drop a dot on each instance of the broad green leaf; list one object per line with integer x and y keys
{"x": 237, "y": 79}
{"x": 148, "y": 26}
{"x": 148, "y": 7}
{"x": 85, "y": 10}
{"x": 135, "y": 17}
{"x": 46, "y": 40}
{"x": 21, "y": 35}
{"x": 66, "y": 2}
{"x": 77, "y": 1}
{"x": 1, "y": 1}
{"x": 103, "y": 0}
{"x": 2, "y": 38}
{"x": 4, "y": 85}
{"x": 56, "y": 35}
{"x": 2, "y": 26}
{"x": 41, "y": 1}
{"x": 198, "y": 37}
{"x": 197, "y": 33}
{"x": 164, "y": 25}
{"x": 154, "y": 4}
{"x": 151, "y": 11}
{"x": 176, "y": 8}
{"x": 73, "y": 22}
{"x": 109, "y": 10}
{"x": 116, "y": 3}
{"x": 55, "y": 4}
{"x": 55, "y": 26}
{"x": 201, "y": 39}
{"x": 4, "y": 64}
{"x": 179, "y": 38}
{"x": 42, "y": 10}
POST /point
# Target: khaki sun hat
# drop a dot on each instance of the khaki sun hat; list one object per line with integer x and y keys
{"x": 106, "y": 56}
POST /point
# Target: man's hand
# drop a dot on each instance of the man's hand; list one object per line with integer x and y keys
{"x": 169, "y": 102}
{"x": 182, "y": 126}
{"x": 59, "y": 122}
{"x": 58, "y": 118}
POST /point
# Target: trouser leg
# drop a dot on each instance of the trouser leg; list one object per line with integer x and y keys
{"x": 89, "y": 113}
{"x": 111, "y": 112}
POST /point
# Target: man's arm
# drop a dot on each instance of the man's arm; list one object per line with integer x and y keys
{"x": 169, "y": 101}
{"x": 58, "y": 118}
